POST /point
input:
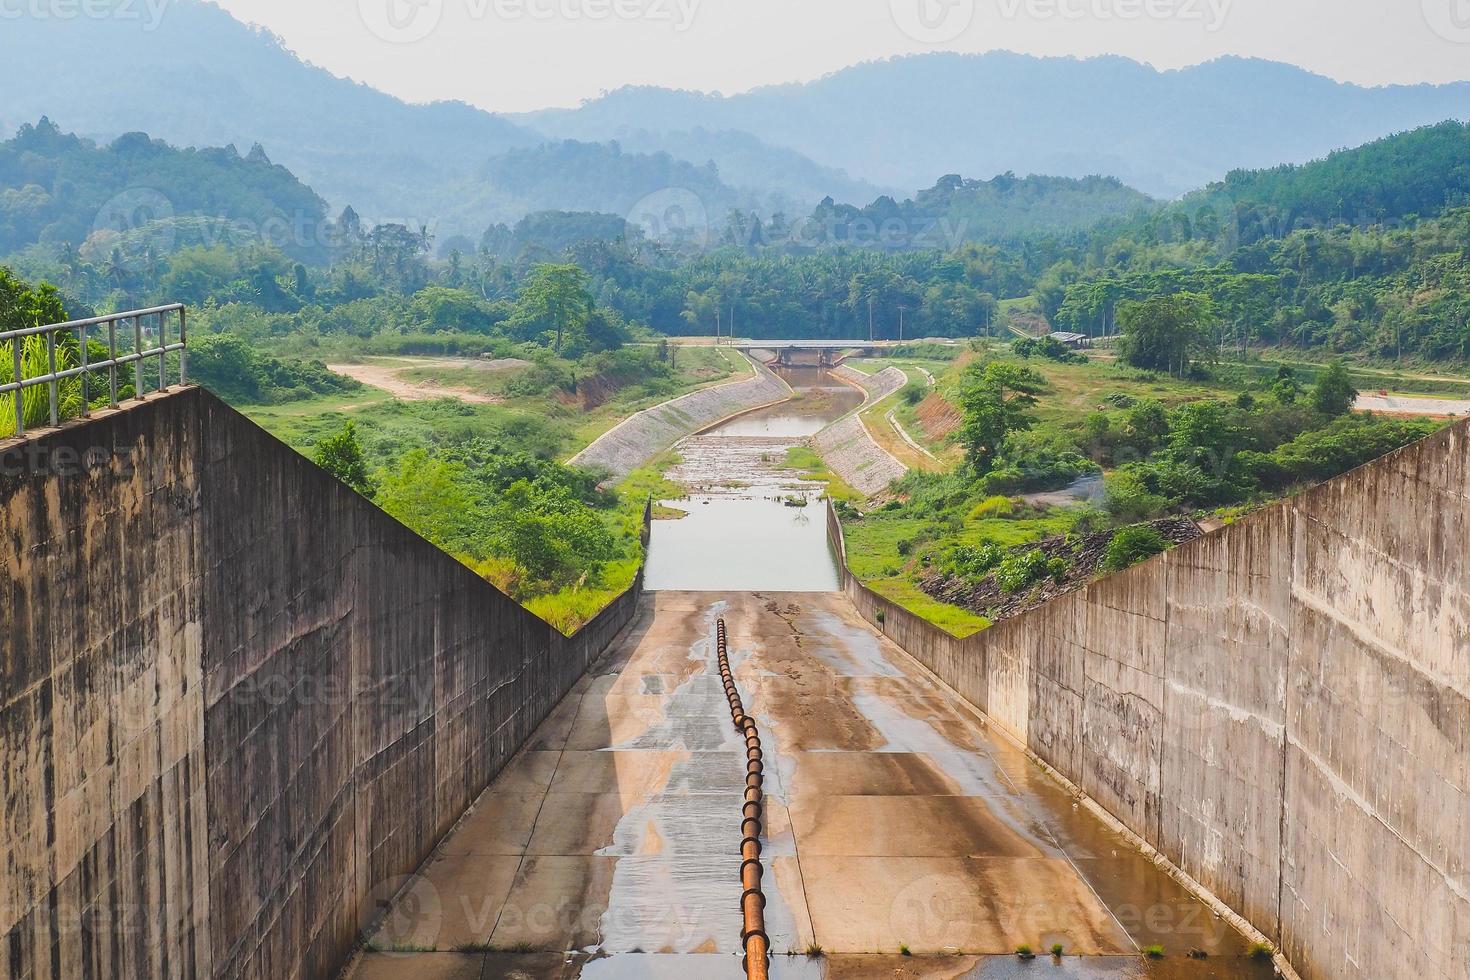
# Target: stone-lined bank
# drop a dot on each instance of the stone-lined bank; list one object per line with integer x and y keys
{"x": 849, "y": 449}
{"x": 641, "y": 437}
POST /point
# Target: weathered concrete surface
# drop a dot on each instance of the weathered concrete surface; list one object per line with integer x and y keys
{"x": 894, "y": 819}
{"x": 1281, "y": 708}
{"x": 877, "y": 386}
{"x": 238, "y": 704}
{"x": 850, "y": 451}
{"x": 103, "y": 817}
{"x": 641, "y": 437}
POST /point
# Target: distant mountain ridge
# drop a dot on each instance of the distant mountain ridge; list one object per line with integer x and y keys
{"x": 885, "y": 128}
{"x": 902, "y": 121}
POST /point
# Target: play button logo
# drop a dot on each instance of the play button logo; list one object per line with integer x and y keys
{"x": 401, "y": 21}
{"x": 933, "y": 21}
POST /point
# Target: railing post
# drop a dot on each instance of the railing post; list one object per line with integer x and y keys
{"x": 138, "y": 355}
{"x": 16, "y": 343}
{"x": 112, "y": 363}
{"x": 82, "y": 342}
{"x": 183, "y": 351}
{"x": 162, "y": 352}
{"x": 54, "y": 386}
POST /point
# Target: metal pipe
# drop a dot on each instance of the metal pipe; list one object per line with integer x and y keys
{"x": 752, "y": 899}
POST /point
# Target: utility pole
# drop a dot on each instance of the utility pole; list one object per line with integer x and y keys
{"x": 870, "y": 320}
{"x": 901, "y": 311}
{"x": 717, "y": 327}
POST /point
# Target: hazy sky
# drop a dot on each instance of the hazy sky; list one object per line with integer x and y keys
{"x": 512, "y": 55}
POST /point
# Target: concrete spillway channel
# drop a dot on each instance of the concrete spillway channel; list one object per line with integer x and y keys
{"x": 893, "y": 820}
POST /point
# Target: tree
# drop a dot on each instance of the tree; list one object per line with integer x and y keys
{"x": 554, "y": 300}
{"x": 996, "y": 400}
{"x": 341, "y": 455}
{"x": 1165, "y": 333}
{"x": 1334, "y": 394}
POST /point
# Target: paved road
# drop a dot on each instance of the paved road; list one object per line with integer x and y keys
{"x": 1405, "y": 405}
{"x": 897, "y": 820}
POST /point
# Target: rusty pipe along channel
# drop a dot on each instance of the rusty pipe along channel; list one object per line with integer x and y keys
{"x": 752, "y": 899}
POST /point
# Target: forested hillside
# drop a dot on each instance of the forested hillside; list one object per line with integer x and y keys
{"x": 56, "y": 188}
{"x": 1005, "y": 208}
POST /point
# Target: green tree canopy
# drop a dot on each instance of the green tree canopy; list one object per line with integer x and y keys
{"x": 341, "y": 455}
{"x": 1334, "y": 394}
{"x": 1166, "y": 333}
{"x": 996, "y": 400}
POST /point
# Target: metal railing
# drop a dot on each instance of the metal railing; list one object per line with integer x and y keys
{"x": 157, "y": 318}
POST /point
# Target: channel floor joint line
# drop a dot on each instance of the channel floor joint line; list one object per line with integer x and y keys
{"x": 752, "y": 898}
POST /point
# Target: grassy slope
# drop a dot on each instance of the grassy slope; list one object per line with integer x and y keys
{"x": 541, "y": 423}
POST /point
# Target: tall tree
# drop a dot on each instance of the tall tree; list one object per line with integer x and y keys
{"x": 996, "y": 400}
{"x": 554, "y": 299}
{"x": 1166, "y": 333}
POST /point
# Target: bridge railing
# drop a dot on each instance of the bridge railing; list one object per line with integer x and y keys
{"x": 38, "y": 364}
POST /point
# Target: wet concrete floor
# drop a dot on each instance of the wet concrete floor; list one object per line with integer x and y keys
{"x": 898, "y": 824}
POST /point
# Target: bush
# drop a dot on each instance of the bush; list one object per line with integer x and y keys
{"x": 973, "y": 563}
{"x": 913, "y": 392}
{"x": 1019, "y": 572}
{"x": 990, "y": 507}
{"x": 1131, "y": 546}
{"x": 1047, "y": 347}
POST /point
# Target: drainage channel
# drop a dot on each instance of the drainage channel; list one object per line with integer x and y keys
{"x": 752, "y": 899}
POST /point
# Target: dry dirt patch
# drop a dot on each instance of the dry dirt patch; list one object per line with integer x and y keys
{"x": 386, "y": 377}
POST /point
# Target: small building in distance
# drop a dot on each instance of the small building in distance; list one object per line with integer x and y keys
{"x": 1076, "y": 341}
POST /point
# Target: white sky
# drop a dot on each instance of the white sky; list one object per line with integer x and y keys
{"x": 513, "y": 55}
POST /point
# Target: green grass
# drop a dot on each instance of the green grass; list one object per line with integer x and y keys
{"x": 875, "y": 555}
{"x": 811, "y": 467}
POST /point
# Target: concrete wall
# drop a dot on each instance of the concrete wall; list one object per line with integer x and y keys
{"x": 239, "y": 703}
{"x": 641, "y": 437}
{"x": 1281, "y": 708}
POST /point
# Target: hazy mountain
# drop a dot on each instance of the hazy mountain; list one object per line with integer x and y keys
{"x": 201, "y": 78}
{"x": 904, "y": 121}
{"x": 571, "y": 176}
{"x": 776, "y": 178}
{"x": 955, "y": 210}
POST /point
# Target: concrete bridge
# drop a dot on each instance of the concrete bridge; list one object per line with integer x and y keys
{"x": 248, "y": 722}
{"x": 824, "y": 353}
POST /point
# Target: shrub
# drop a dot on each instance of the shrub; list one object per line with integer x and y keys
{"x": 913, "y": 392}
{"x": 996, "y": 506}
{"x": 1018, "y": 572}
{"x": 1131, "y": 546}
{"x": 973, "y": 563}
